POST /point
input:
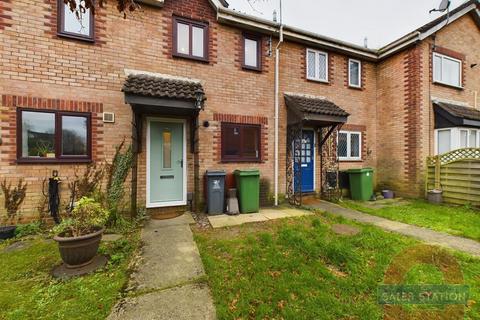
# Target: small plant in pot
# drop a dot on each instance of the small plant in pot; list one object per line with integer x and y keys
{"x": 79, "y": 235}
{"x": 13, "y": 198}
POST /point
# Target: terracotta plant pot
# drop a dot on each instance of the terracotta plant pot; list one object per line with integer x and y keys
{"x": 7, "y": 232}
{"x": 77, "y": 252}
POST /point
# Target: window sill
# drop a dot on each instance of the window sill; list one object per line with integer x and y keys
{"x": 254, "y": 69}
{"x": 240, "y": 161}
{"x": 318, "y": 80}
{"x": 187, "y": 57}
{"x": 350, "y": 160}
{"x": 355, "y": 87}
{"x": 53, "y": 161}
{"x": 76, "y": 37}
{"x": 448, "y": 85}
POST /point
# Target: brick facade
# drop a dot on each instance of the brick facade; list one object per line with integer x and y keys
{"x": 39, "y": 69}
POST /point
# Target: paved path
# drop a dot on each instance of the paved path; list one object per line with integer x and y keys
{"x": 427, "y": 235}
{"x": 169, "y": 281}
{"x": 223, "y": 220}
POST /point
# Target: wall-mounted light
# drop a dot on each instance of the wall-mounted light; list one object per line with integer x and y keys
{"x": 200, "y": 98}
{"x": 473, "y": 65}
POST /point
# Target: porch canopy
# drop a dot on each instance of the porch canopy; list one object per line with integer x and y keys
{"x": 163, "y": 95}
{"x": 313, "y": 111}
{"x": 449, "y": 115}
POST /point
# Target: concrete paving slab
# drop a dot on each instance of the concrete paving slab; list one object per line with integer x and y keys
{"x": 111, "y": 237}
{"x": 170, "y": 256}
{"x": 222, "y": 221}
{"x": 189, "y": 302}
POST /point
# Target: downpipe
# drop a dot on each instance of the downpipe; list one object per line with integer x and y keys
{"x": 277, "y": 107}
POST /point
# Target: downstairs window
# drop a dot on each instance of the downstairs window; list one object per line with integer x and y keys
{"x": 53, "y": 136}
{"x": 240, "y": 142}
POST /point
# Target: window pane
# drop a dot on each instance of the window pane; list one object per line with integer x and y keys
{"x": 463, "y": 138}
{"x": 451, "y": 72}
{"x": 75, "y": 25}
{"x": 342, "y": 145}
{"x": 355, "y": 145}
{"x": 38, "y": 134}
{"x": 231, "y": 141}
{"x": 250, "y": 142}
{"x": 251, "y": 51}
{"x": 167, "y": 149}
{"x": 444, "y": 144}
{"x": 437, "y": 68}
{"x": 472, "y": 142}
{"x": 198, "y": 42}
{"x": 183, "y": 38}
{"x": 322, "y": 66}
{"x": 74, "y": 136}
{"x": 354, "y": 73}
{"x": 311, "y": 64}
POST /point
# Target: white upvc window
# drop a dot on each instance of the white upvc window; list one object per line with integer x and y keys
{"x": 317, "y": 65}
{"x": 354, "y": 73}
{"x": 447, "y": 70}
{"x": 349, "y": 146}
{"x": 450, "y": 139}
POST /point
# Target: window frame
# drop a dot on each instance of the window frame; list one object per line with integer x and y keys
{"x": 191, "y": 24}
{"x": 440, "y": 81}
{"x": 258, "y": 40}
{"x": 240, "y": 158}
{"x": 59, "y": 158}
{"x": 327, "y": 64}
{"x": 349, "y": 151}
{"x": 66, "y": 34}
{"x": 359, "y": 74}
{"x": 455, "y": 138}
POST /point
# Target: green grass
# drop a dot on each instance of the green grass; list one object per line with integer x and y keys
{"x": 456, "y": 220}
{"x": 27, "y": 291}
{"x": 299, "y": 269}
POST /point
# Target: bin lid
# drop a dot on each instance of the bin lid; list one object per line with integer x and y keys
{"x": 215, "y": 173}
{"x": 247, "y": 172}
{"x": 361, "y": 170}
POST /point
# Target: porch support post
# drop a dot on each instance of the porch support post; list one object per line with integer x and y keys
{"x": 136, "y": 138}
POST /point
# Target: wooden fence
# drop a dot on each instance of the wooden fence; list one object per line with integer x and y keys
{"x": 457, "y": 173}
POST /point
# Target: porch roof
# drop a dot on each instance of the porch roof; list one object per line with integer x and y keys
{"x": 453, "y": 115}
{"x": 162, "y": 95}
{"x": 315, "y": 110}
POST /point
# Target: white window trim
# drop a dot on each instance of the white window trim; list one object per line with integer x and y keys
{"x": 348, "y": 157}
{"x": 442, "y": 56}
{"x": 316, "y": 77}
{"x": 350, "y": 84}
{"x": 455, "y": 138}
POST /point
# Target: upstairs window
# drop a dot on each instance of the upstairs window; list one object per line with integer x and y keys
{"x": 354, "y": 73}
{"x": 190, "y": 39}
{"x": 73, "y": 26}
{"x": 240, "y": 142}
{"x": 317, "y": 65}
{"x": 349, "y": 146}
{"x": 53, "y": 136}
{"x": 447, "y": 70}
{"x": 252, "y": 52}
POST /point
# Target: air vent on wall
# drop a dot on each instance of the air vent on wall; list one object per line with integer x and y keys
{"x": 109, "y": 117}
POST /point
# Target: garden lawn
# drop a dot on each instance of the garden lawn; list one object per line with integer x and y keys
{"x": 27, "y": 290}
{"x": 299, "y": 269}
{"x": 456, "y": 220}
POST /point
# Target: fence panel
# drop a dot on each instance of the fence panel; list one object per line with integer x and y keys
{"x": 457, "y": 173}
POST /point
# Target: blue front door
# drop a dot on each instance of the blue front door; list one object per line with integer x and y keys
{"x": 307, "y": 162}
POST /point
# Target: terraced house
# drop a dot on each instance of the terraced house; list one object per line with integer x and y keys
{"x": 192, "y": 85}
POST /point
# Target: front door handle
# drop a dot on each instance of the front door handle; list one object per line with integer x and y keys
{"x": 181, "y": 163}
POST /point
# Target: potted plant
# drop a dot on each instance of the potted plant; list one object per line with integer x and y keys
{"x": 79, "y": 235}
{"x": 13, "y": 198}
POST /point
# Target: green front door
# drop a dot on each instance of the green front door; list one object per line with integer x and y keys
{"x": 166, "y": 161}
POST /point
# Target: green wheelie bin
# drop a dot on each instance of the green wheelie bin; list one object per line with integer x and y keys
{"x": 361, "y": 183}
{"x": 248, "y": 187}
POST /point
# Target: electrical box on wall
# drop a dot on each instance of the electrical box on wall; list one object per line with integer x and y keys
{"x": 109, "y": 117}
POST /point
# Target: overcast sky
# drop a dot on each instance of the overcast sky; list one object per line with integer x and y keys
{"x": 381, "y": 21}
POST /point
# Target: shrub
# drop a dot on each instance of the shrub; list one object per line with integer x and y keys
{"x": 87, "y": 217}
{"x": 29, "y": 229}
